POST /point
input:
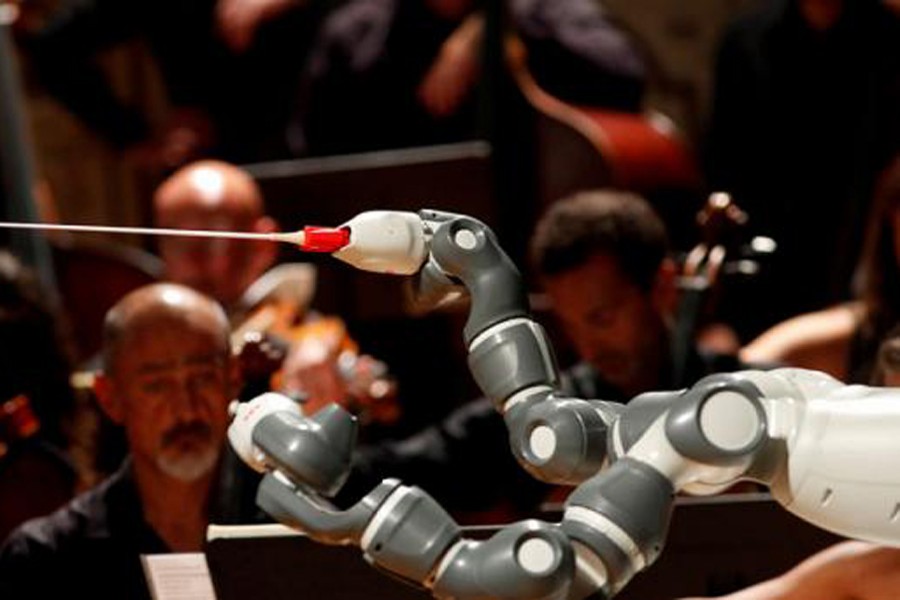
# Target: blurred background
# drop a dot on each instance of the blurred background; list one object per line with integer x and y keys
{"x": 763, "y": 132}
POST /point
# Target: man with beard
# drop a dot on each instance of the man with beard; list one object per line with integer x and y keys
{"x": 168, "y": 379}
{"x": 602, "y": 257}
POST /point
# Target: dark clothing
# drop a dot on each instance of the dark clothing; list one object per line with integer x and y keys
{"x": 91, "y": 547}
{"x": 359, "y": 91}
{"x": 465, "y": 461}
{"x": 576, "y": 53}
{"x": 802, "y": 123}
{"x": 863, "y": 355}
{"x": 247, "y": 96}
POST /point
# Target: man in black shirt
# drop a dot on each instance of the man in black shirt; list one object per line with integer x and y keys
{"x": 168, "y": 379}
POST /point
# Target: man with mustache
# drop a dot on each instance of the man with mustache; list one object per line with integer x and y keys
{"x": 168, "y": 379}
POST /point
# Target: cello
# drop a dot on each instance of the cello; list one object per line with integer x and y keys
{"x": 726, "y": 251}
{"x": 582, "y": 147}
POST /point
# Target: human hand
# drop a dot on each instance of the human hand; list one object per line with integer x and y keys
{"x": 238, "y": 20}
{"x": 455, "y": 70}
{"x": 372, "y": 391}
{"x": 260, "y": 355}
{"x": 311, "y": 371}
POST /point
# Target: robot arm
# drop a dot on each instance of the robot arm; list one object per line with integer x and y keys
{"x": 399, "y": 528}
{"x": 614, "y": 524}
{"x": 791, "y": 429}
{"x": 556, "y": 439}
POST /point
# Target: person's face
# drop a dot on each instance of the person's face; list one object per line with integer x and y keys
{"x": 220, "y": 268}
{"x": 171, "y": 387}
{"x": 614, "y": 325}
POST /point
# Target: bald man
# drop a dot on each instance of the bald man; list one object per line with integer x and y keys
{"x": 217, "y": 195}
{"x": 168, "y": 379}
{"x": 220, "y": 196}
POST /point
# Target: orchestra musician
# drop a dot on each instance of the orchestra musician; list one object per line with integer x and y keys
{"x": 312, "y": 355}
{"x": 168, "y": 378}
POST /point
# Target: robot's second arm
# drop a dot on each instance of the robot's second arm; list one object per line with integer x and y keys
{"x": 783, "y": 428}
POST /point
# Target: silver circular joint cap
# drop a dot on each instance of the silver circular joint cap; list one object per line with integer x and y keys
{"x": 537, "y": 556}
{"x": 542, "y": 442}
{"x": 719, "y": 421}
{"x": 465, "y": 239}
{"x": 730, "y": 420}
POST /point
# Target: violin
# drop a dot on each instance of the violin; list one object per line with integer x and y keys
{"x": 311, "y": 357}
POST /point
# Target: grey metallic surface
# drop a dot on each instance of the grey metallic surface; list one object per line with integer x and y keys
{"x": 490, "y": 569}
{"x": 619, "y": 568}
{"x": 413, "y": 537}
{"x": 683, "y": 428}
{"x": 635, "y": 497}
{"x": 315, "y": 451}
{"x": 580, "y": 437}
{"x": 316, "y": 518}
{"x": 642, "y": 411}
{"x": 430, "y": 286}
{"x": 513, "y": 359}
{"x": 491, "y": 278}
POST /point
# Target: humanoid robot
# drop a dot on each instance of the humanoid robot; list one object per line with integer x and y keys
{"x": 824, "y": 449}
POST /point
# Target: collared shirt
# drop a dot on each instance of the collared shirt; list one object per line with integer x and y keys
{"x": 91, "y": 547}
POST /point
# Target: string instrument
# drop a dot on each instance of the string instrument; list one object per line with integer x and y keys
{"x": 35, "y": 479}
{"x": 587, "y": 147}
{"x": 722, "y": 250}
{"x": 313, "y": 358}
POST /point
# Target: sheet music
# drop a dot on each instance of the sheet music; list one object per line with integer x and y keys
{"x": 178, "y": 576}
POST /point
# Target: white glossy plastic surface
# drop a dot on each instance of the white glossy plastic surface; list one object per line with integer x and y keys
{"x": 246, "y": 415}
{"x": 729, "y": 420}
{"x": 841, "y": 472}
{"x": 385, "y": 241}
{"x": 536, "y": 556}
